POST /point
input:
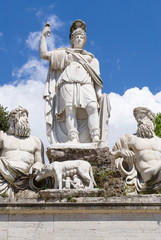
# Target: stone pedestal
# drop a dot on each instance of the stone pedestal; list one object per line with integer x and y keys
{"x": 99, "y": 156}
{"x": 91, "y": 152}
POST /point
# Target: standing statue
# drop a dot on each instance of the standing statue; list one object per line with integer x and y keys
{"x": 21, "y": 155}
{"x": 138, "y": 156}
{"x": 75, "y": 110}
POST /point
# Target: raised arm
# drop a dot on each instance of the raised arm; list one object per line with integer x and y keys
{"x": 43, "y": 52}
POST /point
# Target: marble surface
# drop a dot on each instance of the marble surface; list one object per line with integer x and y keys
{"x": 21, "y": 154}
{"x": 76, "y": 110}
{"x": 139, "y": 156}
{"x": 136, "y": 217}
{"x": 74, "y": 174}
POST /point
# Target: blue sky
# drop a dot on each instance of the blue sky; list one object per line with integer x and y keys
{"x": 124, "y": 35}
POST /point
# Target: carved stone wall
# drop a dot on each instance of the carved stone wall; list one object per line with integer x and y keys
{"x": 102, "y": 161}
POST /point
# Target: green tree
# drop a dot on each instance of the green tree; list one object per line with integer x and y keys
{"x": 158, "y": 125}
{"x": 4, "y": 124}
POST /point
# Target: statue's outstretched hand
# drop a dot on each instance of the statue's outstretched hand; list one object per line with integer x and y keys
{"x": 128, "y": 155}
{"x": 46, "y": 31}
{"x": 36, "y": 168}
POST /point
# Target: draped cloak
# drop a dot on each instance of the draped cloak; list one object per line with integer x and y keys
{"x": 71, "y": 81}
{"x": 18, "y": 177}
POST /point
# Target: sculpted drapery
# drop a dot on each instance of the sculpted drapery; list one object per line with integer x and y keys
{"x": 71, "y": 80}
{"x": 75, "y": 108}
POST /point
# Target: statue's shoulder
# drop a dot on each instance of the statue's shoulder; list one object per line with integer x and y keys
{"x": 36, "y": 140}
{"x": 58, "y": 51}
{"x": 127, "y": 138}
{"x": 157, "y": 139}
{"x": 61, "y": 49}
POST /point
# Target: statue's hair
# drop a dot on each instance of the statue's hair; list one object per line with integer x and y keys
{"x": 14, "y": 113}
{"x": 18, "y": 127}
{"x": 145, "y": 111}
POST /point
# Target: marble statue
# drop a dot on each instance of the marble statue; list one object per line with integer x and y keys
{"x": 77, "y": 182}
{"x": 21, "y": 155}
{"x": 68, "y": 174}
{"x": 138, "y": 156}
{"x": 76, "y": 110}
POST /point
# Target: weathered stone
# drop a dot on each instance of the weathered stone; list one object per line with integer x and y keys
{"x": 76, "y": 217}
{"x": 26, "y": 194}
{"x": 70, "y": 193}
{"x": 103, "y": 163}
{"x": 91, "y": 153}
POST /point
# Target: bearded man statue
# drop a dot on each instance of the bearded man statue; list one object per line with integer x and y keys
{"x": 21, "y": 154}
{"x": 138, "y": 156}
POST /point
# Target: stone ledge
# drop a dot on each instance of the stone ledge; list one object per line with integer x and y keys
{"x": 66, "y": 193}
{"x": 85, "y": 152}
{"x": 132, "y": 204}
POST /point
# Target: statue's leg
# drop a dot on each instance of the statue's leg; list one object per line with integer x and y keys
{"x": 93, "y": 121}
{"x": 71, "y": 124}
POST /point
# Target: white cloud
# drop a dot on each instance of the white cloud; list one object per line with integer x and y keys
{"x": 33, "y": 40}
{"x": 53, "y": 41}
{"x": 118, "y": 64}
{"x": 122, "y": 120}
{"x": 30, "y": 96}
{"x": 27, "y": 91}
{"x": 39, "y": 13}
{"x": 55, "y": 22}
{"x": 33, "y": 70}
{"x": 1, "y": 34}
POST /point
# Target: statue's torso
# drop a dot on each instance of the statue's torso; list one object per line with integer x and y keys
{"x": 19, "y": 151}
{"x": 74, "y": 71}
{"x": 147, "y": 155}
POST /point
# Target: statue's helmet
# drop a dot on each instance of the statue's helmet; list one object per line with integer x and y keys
{"x": 78, "y": 28}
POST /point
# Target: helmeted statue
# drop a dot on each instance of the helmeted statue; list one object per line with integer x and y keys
{"x": 75, "y": 108}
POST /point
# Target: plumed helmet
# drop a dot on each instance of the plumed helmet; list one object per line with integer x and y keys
{"x": 77, "y": 25}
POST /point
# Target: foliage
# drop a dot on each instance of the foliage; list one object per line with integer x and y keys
{"x": 4, "y": 124}
{"x": 71, "y": 199}
{"x": 110, "y": 180}
{"x": 158, "y": 125}
{"x": 4, "y": 195}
